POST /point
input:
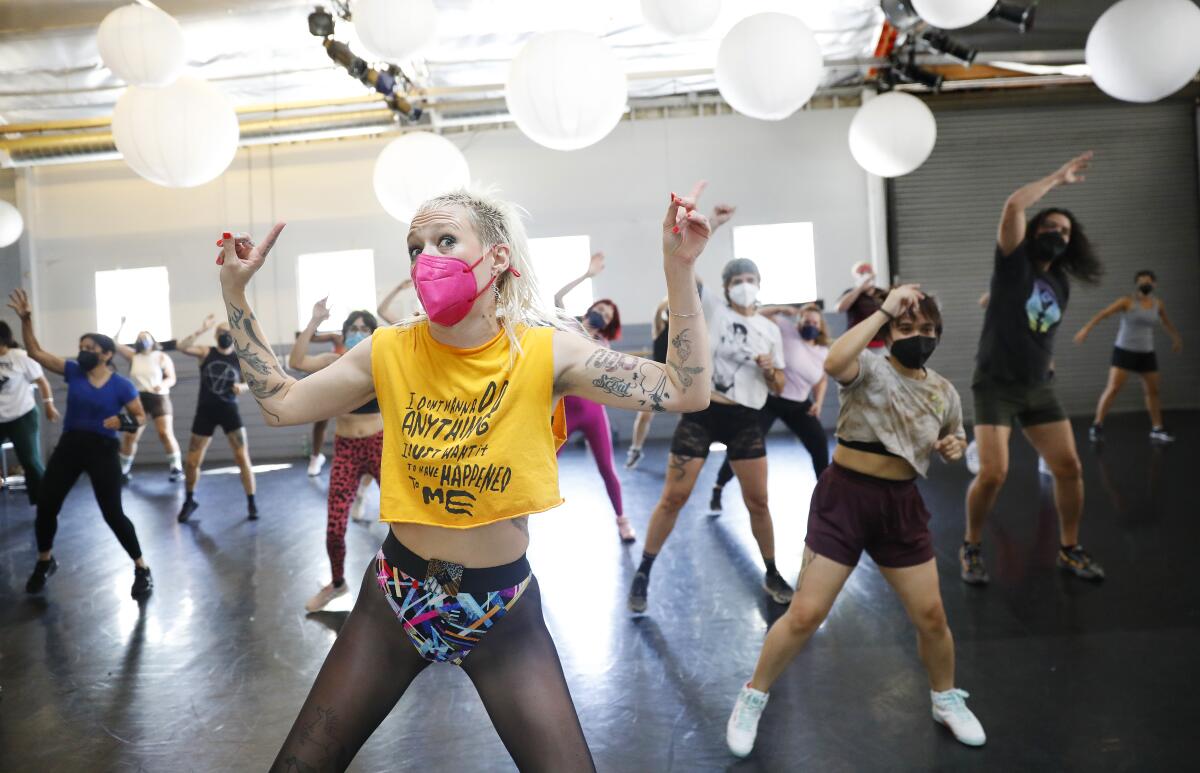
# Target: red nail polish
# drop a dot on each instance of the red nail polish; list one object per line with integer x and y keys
{"x": 220, "y": 242}
{"x": 227, "y": 235}
{"x": 675, "y": 230}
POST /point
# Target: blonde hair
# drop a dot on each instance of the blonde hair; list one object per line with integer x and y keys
{"x": 823, "y": 339}
{"x": 496, "y": 221}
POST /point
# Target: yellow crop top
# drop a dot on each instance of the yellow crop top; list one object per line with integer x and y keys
{"x": 468, "y": 435}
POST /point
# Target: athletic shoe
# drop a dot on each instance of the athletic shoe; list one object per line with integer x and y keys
{"x": 1043, "y": 468}
{"x": 970, "y": 558}
{"x": 950, "y": 709}
{"x": 714, "y": 504}
{"x": 326, "y": 595}
{"x": 175, "y": 475}
{"x": 1096, "y": 433}
{"x": 638, "y": 592}
{"x": 1160, "y": 435}
{"x": 41, "y": 570}
{"x": 357, "y": 507}
{"x": 742, "y": 728}
{"x": 143, "y": 583}
{"x": 1078, "y": 562}
{"x": 252, "y": 512}
{"x": 186, "y": 511}
{"x": 972, "y": 457}
{"x": 777, "y": 588}
{"x": 315, "y": 463}
{"x": 633, "y": 458}
{"x": 625, "y": 529}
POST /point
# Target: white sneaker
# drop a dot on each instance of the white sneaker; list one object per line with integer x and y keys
{"x": 950, "y": 709}
{"x": 1043, "y": 468}
{"x": 315, "y": 463}
{"x": 359, "y": 505}
{"x": 742, "y": 727}
{"x": 326, "y": 595}
{"x": 972, "y": 457}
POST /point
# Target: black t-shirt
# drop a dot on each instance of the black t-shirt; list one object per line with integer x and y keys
{"x": 218, "y": 374}
{"x": 1023, "y": 314}
{"x": 866, "y": 304}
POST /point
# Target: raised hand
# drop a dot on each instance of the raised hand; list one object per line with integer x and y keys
{"x": 320, "y": 311}
{"x": 721, "y": 214}
{"x": 901, "y": 299}
{"x": 209, "y": 321}
{"x": 18, "y": 301}
{"x": 596, "y": 264}
{"x": 951, "y": 447}
{"x": 685, "y": 232}
{"x": 1072, "y": 171}
{"x": 693, "y": 196}
{"x": 241, "y": 258}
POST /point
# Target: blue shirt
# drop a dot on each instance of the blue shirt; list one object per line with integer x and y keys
{"x": 88, "y": 407}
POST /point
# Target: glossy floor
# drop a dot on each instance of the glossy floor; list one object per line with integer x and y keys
{"x": 209, "y": 674}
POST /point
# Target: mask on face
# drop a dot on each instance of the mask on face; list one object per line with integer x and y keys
{"x": 224, "y": 340}
{"x": 143, "y": 344}
{"x": 355, "y": 338}
{"x": 810, "y": 332}
{"x": 595, "y": 320}
{"x": 446, "y": 287}
{"x": 914, "y": 351}
{"x": 1146, "y": 288}
{"x": 1050, "y": 245}
{"x": 743, "y": 294}
{"x": 87, "y": 360}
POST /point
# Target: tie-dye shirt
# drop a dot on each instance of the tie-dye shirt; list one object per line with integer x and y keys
{"x": 906, "y": 415}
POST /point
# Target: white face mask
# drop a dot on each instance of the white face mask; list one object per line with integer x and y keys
{"x": 743, "y": 294}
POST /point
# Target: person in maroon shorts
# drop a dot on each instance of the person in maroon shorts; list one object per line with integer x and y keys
{"x": 894, "y": 414}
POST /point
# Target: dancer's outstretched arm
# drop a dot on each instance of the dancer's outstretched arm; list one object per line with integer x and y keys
{"x": 842, "y": 360}
{"x": 595, "y": 267}
{"x": 19, "y": 302}
{"x": 1012, "y": 220}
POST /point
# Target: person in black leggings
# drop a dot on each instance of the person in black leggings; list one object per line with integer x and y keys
{"x": 96, "y": 397}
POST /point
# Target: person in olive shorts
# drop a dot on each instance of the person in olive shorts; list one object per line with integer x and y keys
{"x": 1030, "y": 287}
{"x": 220, "y": 384}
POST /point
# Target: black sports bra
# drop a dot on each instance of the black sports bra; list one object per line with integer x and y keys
{"x": 369, "y": 407}
{"x": 869, "y": 447}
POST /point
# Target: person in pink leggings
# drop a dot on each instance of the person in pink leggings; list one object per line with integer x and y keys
{"x": 602, "y": 322}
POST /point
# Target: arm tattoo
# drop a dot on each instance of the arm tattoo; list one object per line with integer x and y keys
{"x": 684, "y": 374}
{"x": 261, "y": 369}
{"x": 683, "y": 344}
{"x": 251, "y": 359}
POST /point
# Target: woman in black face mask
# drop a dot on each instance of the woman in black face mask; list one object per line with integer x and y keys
{"x": 220, "y": 384}
{"x": 96, "y": 397}
{"x": 1140, "y": 313}
{"x": 1013, "y": 380}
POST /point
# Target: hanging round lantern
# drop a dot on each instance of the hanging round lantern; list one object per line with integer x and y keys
{"x": 681, "y": 18}
{"x": 414, "y": 168}
{"x": 952, "y": 14}
{"x": 393, "y": 30}
{"x": 142, "y": 46}
{"x": 1144, "y": 50}
{"x": 768, "y": 66}
{"x": 892, "y": 134}
{"x": 11, "y": 224}
{"x": 179, "y": 136}
{"x": 566, "y": 90}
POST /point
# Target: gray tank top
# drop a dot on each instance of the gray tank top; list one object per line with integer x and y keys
{"x": 1137, "y": 328}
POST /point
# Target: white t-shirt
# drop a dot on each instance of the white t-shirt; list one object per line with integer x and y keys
{"x": 146, "y": 371}
{"x": 18, "y": 371}
{"x": 736, "y": 342}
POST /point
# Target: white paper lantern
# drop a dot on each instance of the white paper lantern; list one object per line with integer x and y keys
{"x": 179, "y": 136}
{"x": 414, "y": 168}
{"x": 11, "y": 224}
{"x": 1144, "y": 50}
{"x": 768, "y": 66}
{"x": 142, "y": 46}
{"x": 393, "y": 30}
{"x": 952, "y": 14}
{"x": 681, "y": 18}
{"x": 892, "y": 134}
{"x": 566, "y": 90}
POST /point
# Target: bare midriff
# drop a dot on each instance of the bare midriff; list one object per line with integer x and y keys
{"x": 876, "y": 465}
{"x": 495, "y": 544}
{"x": 358, "y": 425}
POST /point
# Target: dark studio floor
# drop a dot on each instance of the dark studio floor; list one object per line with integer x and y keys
{"x": 210, "y": 673}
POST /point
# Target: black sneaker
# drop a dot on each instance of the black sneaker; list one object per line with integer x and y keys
{"x": 714, "y": 504}
{"x": 252, "y": 513}
{"x": 970, "y": 557}
{"x": 1096, "y": 433}
{"x": 143, "y": 583}
{"x": 186, "y": 511}
{"x": 638, "y": 592}
{"x": 41, "y": 570}
{"x": 126, "y": 477}
{"x": 1077, "y": 561}
{"x": 777, "y": 588}
{"x": 175, "y": 475}
{"x": 633, "y": 458}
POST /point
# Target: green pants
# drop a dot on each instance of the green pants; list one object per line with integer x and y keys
{"x": 23, "y": 433}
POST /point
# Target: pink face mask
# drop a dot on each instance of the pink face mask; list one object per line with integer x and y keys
{"x": 446, "y": 287}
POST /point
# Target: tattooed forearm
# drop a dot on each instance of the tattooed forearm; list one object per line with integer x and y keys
{"x": 251, "y": 359}
{"x": 683, "y": 344}
{"x": 265, "y": 377}
{"x": 684, "y": 375}
{"x": 261, "y": 389}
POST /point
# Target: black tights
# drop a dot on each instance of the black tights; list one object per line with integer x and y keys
{"x": 78, "y": 452}
{"x": 515, "y": 668}
{"x": 807, "y": 428}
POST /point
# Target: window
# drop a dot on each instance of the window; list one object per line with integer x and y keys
{"x": 785, "y": 256}
{"x": 141, "y": 295}
{"x": 347, "y": 278}
{"x": 561, "y": 259}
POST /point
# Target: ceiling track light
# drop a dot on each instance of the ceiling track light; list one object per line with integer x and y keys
{"x": 1021, "y": 16}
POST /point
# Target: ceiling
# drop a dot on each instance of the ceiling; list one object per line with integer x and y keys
{"x": 260, "y": 51}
